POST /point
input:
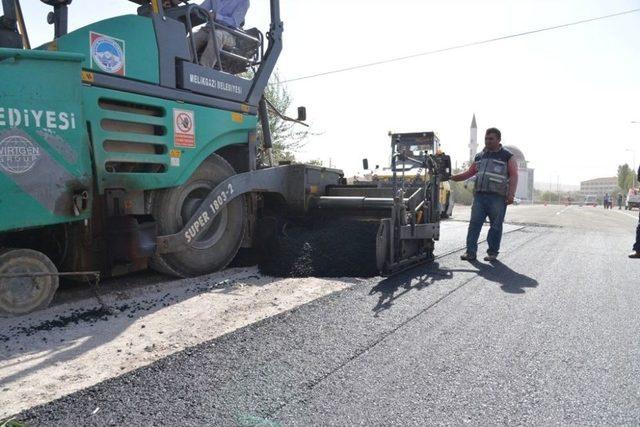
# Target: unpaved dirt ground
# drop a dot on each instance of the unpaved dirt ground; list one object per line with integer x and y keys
{"x": 78, "y": 343}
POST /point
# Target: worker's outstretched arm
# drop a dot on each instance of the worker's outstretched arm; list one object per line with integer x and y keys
{"x": 467, "y": 174}
{"x": 512, "y": 168}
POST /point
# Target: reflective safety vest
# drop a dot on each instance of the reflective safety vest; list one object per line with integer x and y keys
{"x": 493, "y": 173}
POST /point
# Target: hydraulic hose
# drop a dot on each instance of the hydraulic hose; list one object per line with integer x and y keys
{"x": 264, "y": 123}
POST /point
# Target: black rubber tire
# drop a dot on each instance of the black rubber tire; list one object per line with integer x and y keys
{"x": 13, "y": 302}
{"x": 168, "y": 209}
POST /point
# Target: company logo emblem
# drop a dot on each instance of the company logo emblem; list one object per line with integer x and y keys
{"x": 17, "y": 154}
{"x": 108, "y": 53}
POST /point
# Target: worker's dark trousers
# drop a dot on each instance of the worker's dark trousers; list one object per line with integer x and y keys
{"x": 636, "y": 247}
{"x": 486, "y": 205}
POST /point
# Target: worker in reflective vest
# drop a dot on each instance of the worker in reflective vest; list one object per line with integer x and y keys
{"x": 496, "y": 172}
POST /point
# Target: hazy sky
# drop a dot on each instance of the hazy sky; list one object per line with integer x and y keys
{"x": 564, "y": 97}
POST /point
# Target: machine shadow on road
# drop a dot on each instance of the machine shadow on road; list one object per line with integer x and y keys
{"x": 392, "y": 288}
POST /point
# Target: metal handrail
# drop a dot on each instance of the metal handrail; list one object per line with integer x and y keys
{"x": 203, "y": 14}
{"x": 236, "y": 32}
{"x": 215, "y": 26}
{"x": 238, "y": 57}
{"x": 241, "y": 34}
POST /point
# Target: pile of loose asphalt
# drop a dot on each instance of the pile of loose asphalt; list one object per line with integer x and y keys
{"x": 334, "y": 248}
{"x": 105, "y": 313}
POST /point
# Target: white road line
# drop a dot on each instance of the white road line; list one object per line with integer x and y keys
{"x": 558, "y": 213}
{"x": 627, "y": 214}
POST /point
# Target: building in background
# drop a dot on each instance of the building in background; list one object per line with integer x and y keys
{"x": 524, "y": 191}
{"x": 599, "y": 187}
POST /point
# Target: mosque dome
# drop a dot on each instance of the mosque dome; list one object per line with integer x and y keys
{"x": 518, "y": 154}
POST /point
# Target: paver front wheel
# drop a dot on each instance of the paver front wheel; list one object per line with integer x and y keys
{"x": 24, "y": 293}
{"x": 218, "y": 244}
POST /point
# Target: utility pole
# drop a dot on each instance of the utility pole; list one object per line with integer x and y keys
{"x": 635, "y": 177}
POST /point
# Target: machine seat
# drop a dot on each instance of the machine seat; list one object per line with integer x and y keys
{"x": 234, "y": 62}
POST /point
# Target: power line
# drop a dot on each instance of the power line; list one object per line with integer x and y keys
{"x": 460, "y": 46}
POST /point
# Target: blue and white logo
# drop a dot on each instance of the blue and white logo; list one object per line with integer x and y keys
{"x": 108, "y": 53}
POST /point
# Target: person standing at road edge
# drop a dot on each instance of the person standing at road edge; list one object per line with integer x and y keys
{"x": 636, "y": 246}
{"x": 496, "y": 173}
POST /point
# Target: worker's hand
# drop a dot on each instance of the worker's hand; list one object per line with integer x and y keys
{"x": 509, "y": 200}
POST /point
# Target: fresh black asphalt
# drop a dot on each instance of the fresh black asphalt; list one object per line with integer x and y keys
{"x": 548, "y": 335}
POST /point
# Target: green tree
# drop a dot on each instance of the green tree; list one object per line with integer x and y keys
{"x": 548, "y": 196}
{"x": 287, "y": 137}
{"x": 625, "y": 177}
{"x": 462, "y": 194}
{"x": 537, "y": 194}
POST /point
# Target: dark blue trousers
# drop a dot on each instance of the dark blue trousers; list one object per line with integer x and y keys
{"x": 486, "y": 205}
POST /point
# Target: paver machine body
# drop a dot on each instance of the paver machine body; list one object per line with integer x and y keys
{"x": 386, "y": 176}
{"x": 409, "y": 208}
{"x": 119, "y": 152}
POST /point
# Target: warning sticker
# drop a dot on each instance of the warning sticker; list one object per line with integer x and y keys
{"x": 237, "y": 117}
{"x": 175, "y": 157}
{"x": 184, "y": 128}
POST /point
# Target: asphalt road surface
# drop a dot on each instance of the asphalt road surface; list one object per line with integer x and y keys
{"x": 549, "y": 334}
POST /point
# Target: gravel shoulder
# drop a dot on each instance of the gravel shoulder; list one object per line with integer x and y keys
{"x": 77, "y": 344}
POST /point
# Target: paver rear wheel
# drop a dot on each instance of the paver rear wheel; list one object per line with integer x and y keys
{"x": 24, "y": 294}
{"x": 218, "y": 244}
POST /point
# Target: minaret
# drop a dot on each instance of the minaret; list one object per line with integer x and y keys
{"x": 473, "y": 143}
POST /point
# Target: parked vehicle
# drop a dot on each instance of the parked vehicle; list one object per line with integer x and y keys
{"x": 633, "y": 199}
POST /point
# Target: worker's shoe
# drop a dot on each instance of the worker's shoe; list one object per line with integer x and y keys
{"x": 468, "y": 257}
{"x": 491, "y": 257}
{"x": 635, "y": 254}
